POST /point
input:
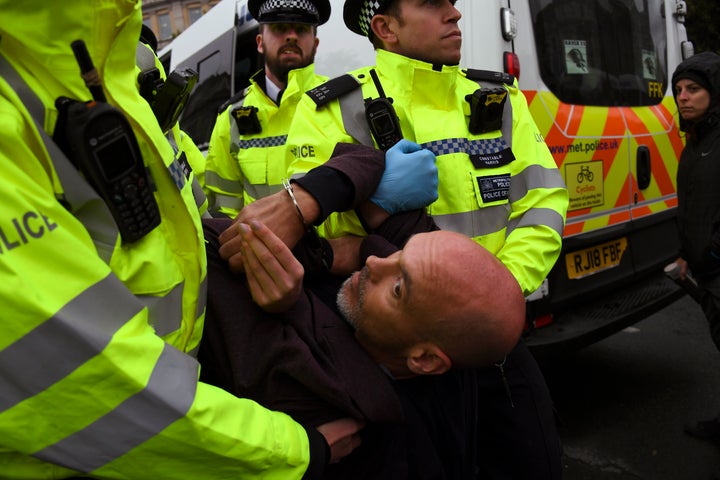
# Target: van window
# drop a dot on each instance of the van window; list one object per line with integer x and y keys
{"x": 601, "y": 52}
{"x": 216, "y": 85}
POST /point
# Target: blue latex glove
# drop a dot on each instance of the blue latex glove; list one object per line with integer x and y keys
{"x": 410, "y": 180}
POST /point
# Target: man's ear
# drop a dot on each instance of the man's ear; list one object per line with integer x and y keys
{"x": 383, "y": 26}
{"x": 427, "y": 359}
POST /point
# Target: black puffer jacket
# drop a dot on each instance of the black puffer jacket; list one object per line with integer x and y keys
{"x": 698, "y": 175}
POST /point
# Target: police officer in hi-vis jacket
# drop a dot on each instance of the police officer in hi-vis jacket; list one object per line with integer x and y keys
{"x": 245, "y": 159}
{"x": 498, "y": 184}
{"x": 103, "y": 275}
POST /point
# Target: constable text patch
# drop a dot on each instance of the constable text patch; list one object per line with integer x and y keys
{"x": 492, "y": 159}
{"x": 494, "y": 188}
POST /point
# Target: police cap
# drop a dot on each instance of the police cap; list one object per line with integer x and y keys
{"x": 313, "y": 12}
{"x": 358, "y": 13}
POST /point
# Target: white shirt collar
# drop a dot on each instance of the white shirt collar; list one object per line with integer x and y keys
{"x": 272, "y": 90}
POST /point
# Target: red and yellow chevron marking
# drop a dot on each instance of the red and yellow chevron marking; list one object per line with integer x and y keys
{"x": 596, "y": 149}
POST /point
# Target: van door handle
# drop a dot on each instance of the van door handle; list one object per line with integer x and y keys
{"x": 644, "y": 167}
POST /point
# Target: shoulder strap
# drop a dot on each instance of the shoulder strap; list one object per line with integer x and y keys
{"x": 234, "y": 99}
{"x": 489, "y": 76}
{"x": 332, "y": 89}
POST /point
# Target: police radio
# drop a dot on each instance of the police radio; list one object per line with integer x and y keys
{"x": 99, "y": 140}
{"x": 381, "y": 117}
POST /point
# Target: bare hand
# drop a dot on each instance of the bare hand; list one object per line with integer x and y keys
{"x": 278, "y": 213}
{"x": 274, "y": 275}
{"x": 343, "y": 437}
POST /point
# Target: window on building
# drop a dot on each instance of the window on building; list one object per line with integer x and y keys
{"x": 164, "y": 26}
{"x": 193, "y": 13}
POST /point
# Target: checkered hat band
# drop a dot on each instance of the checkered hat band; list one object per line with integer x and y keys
{"x": 274, "y": 5}
{"x": 367, "y": 11}
{"x": 463, "y": 145}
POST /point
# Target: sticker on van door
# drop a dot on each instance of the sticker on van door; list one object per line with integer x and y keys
{"x": 585, "y": 184}
{"x": 576, "y": 60}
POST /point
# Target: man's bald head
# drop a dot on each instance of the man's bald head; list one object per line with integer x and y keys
{"x": 443, "y": 298}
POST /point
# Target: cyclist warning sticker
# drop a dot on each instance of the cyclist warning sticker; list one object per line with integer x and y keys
{"x": 585, "y": 184}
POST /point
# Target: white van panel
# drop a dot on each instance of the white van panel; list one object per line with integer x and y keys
{"x": 341, "y": 50}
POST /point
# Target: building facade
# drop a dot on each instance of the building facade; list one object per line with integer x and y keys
{"x": 167, "y": 18}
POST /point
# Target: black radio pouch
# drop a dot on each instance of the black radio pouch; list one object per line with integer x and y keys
{"x": 247, "y": 121}
{"x": 486, "y": 109}
{"x": 167, "y": 98}
{"x": 99, "y": 141}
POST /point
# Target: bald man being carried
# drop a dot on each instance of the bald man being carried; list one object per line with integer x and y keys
{"x": 441, "y": 303}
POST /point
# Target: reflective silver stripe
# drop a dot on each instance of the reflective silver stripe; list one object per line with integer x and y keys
{"x": 226, "y": 201}
{"x": 352, "y": 108}
{"x": 484, "y": 221}
{"x": 534, "y": 177}
{"x": 535, "y": 217}
{"x": 259, "y": 191}
{"x": 83, "y": 328}
{"x": 167, "y": 397}
{"x": 198, "y": 193}
{"x": 165, "y": 313}
{"x": 507, "y": 120}
{"x": 202, "y": 297}
{"x": 488, "y": 220}
{"x": 222, "y": 183}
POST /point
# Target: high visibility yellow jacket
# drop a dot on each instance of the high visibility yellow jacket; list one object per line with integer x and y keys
{"x": 96, "y": 335}
{"x": 501, "y": 188}
{"x": 242, "y": 167}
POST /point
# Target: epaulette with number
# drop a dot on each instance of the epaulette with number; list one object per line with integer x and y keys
{"x": 332, "y": 89}
{"x": 235, "y": 98}
{"x": 489, "y": 76}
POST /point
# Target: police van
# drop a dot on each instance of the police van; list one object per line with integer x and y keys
{"x": 596, "y": 75}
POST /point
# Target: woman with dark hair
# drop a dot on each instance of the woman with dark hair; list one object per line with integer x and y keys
{"x": 696, "y": 84}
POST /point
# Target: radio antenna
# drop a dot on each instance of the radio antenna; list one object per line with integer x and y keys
{"x": 87, "y": 70}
